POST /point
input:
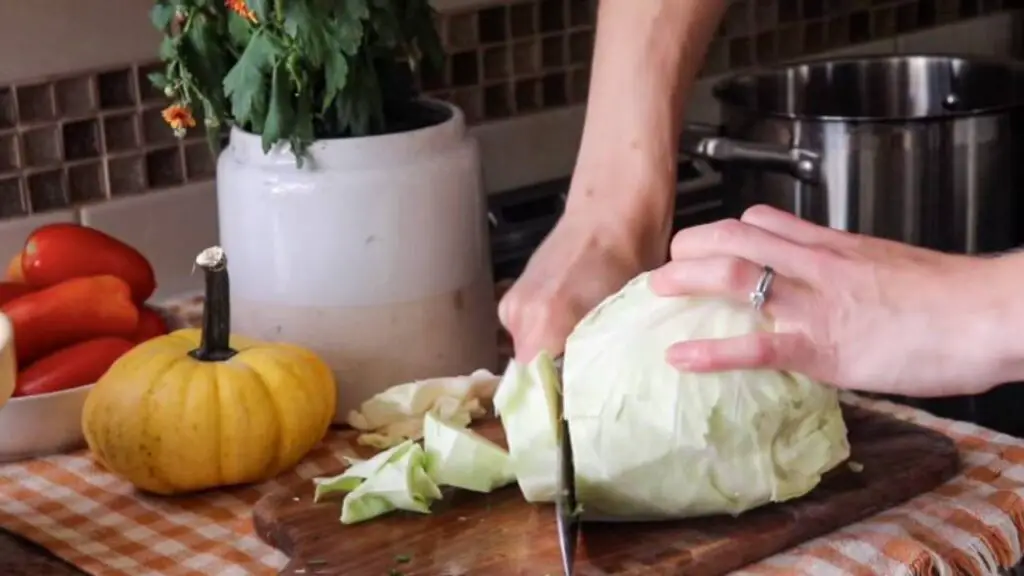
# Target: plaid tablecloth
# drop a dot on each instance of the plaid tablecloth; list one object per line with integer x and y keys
{"x": 971, "y": 525}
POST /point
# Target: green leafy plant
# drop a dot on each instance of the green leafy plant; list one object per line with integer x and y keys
{"x": 293, "y": 70}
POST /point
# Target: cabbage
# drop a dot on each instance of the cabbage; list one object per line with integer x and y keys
{"x": 650, "y": 441}
{"x": 527, "y": 403}
{"x": 459, "y": 457}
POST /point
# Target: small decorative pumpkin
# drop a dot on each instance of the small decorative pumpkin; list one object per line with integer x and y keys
{"x": 195, "y": 410}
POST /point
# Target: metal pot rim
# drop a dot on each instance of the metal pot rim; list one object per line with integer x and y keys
{"x": 720, "y": 88}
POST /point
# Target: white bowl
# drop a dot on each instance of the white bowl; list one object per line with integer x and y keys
{"x": 43, "y": 424}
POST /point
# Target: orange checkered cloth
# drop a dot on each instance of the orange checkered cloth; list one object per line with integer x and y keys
{"x": 971, "y": 525}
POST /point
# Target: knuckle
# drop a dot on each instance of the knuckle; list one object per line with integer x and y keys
{"x": 727, "y": 230}
{"x": 734, "y": 274}
{"x": 754, "y": 213}
{"x": 762, "y": 352}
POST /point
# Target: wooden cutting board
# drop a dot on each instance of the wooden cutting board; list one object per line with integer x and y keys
{"x": 500, "y": 534}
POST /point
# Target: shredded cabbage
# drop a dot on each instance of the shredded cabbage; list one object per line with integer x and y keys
{"x": 459, "y": 457}
{"x": 651, "y": 441}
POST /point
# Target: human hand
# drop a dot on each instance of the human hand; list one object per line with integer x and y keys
{"x": 858, "y": 312}
{"x": 579, "y": 264}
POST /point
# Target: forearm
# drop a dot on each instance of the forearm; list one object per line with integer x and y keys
{"x": 646, "y": 57}
{"x": 991, "y": 339}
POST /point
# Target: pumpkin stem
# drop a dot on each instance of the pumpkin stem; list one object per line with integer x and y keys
{"x": 214, "y": 343}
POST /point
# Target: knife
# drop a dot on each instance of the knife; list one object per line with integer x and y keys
{"x": 565, "y": 496}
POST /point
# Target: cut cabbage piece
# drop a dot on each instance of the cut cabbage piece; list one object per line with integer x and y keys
{"x": 460, "y": 457}
{"x": 396, "y": 414}
{"x": 358, "y": 471}
{"x": 650, "y": 441}
{"x": 400, "y": 484}
{"x": 527, "y": 403}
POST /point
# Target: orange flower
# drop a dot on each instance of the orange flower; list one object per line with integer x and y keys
{"x": 242, "y": 9}
{"x": 179, "y": 118}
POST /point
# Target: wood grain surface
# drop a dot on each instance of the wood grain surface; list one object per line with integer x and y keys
{"x": 500, "y": 534}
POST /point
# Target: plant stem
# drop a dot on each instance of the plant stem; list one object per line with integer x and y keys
{"x": 214, "y": 343}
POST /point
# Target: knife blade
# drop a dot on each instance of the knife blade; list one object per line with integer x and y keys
{"x": 565, "y": 501}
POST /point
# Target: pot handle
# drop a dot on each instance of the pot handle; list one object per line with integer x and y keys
{"x": 705, "y": 141}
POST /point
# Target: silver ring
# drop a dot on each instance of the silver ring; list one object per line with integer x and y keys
{"x": 763, "y": 288}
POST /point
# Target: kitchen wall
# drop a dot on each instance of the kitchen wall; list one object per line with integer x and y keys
{"x": 82, "y": 139}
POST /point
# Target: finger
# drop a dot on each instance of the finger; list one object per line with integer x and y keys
{"x": 768, "y": 350}
{"x": 726, "y": 276}
{"x": 795, "y": 229}
{"x": 735, "y": 238}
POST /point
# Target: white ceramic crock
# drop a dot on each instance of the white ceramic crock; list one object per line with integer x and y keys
{"x": 375, "y": 253}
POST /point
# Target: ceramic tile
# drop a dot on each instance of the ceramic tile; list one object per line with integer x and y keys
{"x": 169, "y": 227}
{"x": 530, "y": 149}
{"x": 991, "y": 35}
{"x": 14, "y": 233}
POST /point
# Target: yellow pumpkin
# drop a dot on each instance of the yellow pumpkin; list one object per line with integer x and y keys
{"x": 195, "y": 410}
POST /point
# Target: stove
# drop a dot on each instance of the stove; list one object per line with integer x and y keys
{"x": 520, "y": 219}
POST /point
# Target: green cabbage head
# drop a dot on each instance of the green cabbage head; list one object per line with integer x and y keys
{"x": 650, "y": 441}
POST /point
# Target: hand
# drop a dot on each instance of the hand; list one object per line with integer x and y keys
{"x": 574, "y": 269}
{"x": 855, "y": 311}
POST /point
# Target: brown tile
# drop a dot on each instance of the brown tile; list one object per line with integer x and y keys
{"x": 200, "y": 163}
{"x": 766, "y": 14}
{"x": 740, "y": 52}
{"x": 47, "y": 191}
{"x": 148, "y": 92}
{"x": 155, "y": 129}
{"x": 838, "y": 31}
{"x": 527, "y": 95}
{"x": 496, "y": 63}
{"x": 555, "y": 90}
{"x": 883, "y": 23}
{"x": 790, "y": 42}
{"x": 737, "y": 18}
{"x": 906, "y": 18}
{"x": 553, "y": 52}
{"x": 120, "y": 133}
{"x": 9, "y": 160}
{"x": 581, "y": 47}
{"x": 116, "y": 89}
{"x": 814, "y": 37}
{"x": 526, "y": 57}
{"x": 579, "y": 85}
{"x": 12, "y": 202}
{"x": 86, "y": 183}
{"x": 582, "y": 13}
{"x": 859, "y": 27}
{"x": 82, "y": 139}
{"x": 465, "y": 68}
{"x": 522, "y": 19}
{"x": 35, "y": 103}
{"x": 462, "y": 30}
{"x": 75, "y": 96}
{"x": 8, "y": 113}
{"x": 497, "y": 102}
{"x": 470, "y": 100}
{"x": 41, "y": 146}
{"x": 164, "y": 168}
{"x": 716, "y": 60}
{"x": 765, "y": 48}
{"x": 493, "y": 24}
{"x": 126, "y": 174}
{"x": 552, "y": 15}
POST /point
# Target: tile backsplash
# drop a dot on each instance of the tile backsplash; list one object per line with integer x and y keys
{"x": 82, "y": 137}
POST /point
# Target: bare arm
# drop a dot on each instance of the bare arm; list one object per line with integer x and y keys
{"x": 646, "y": 57}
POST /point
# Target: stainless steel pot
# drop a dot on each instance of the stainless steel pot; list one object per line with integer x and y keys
{"x": 927, "y": 150}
